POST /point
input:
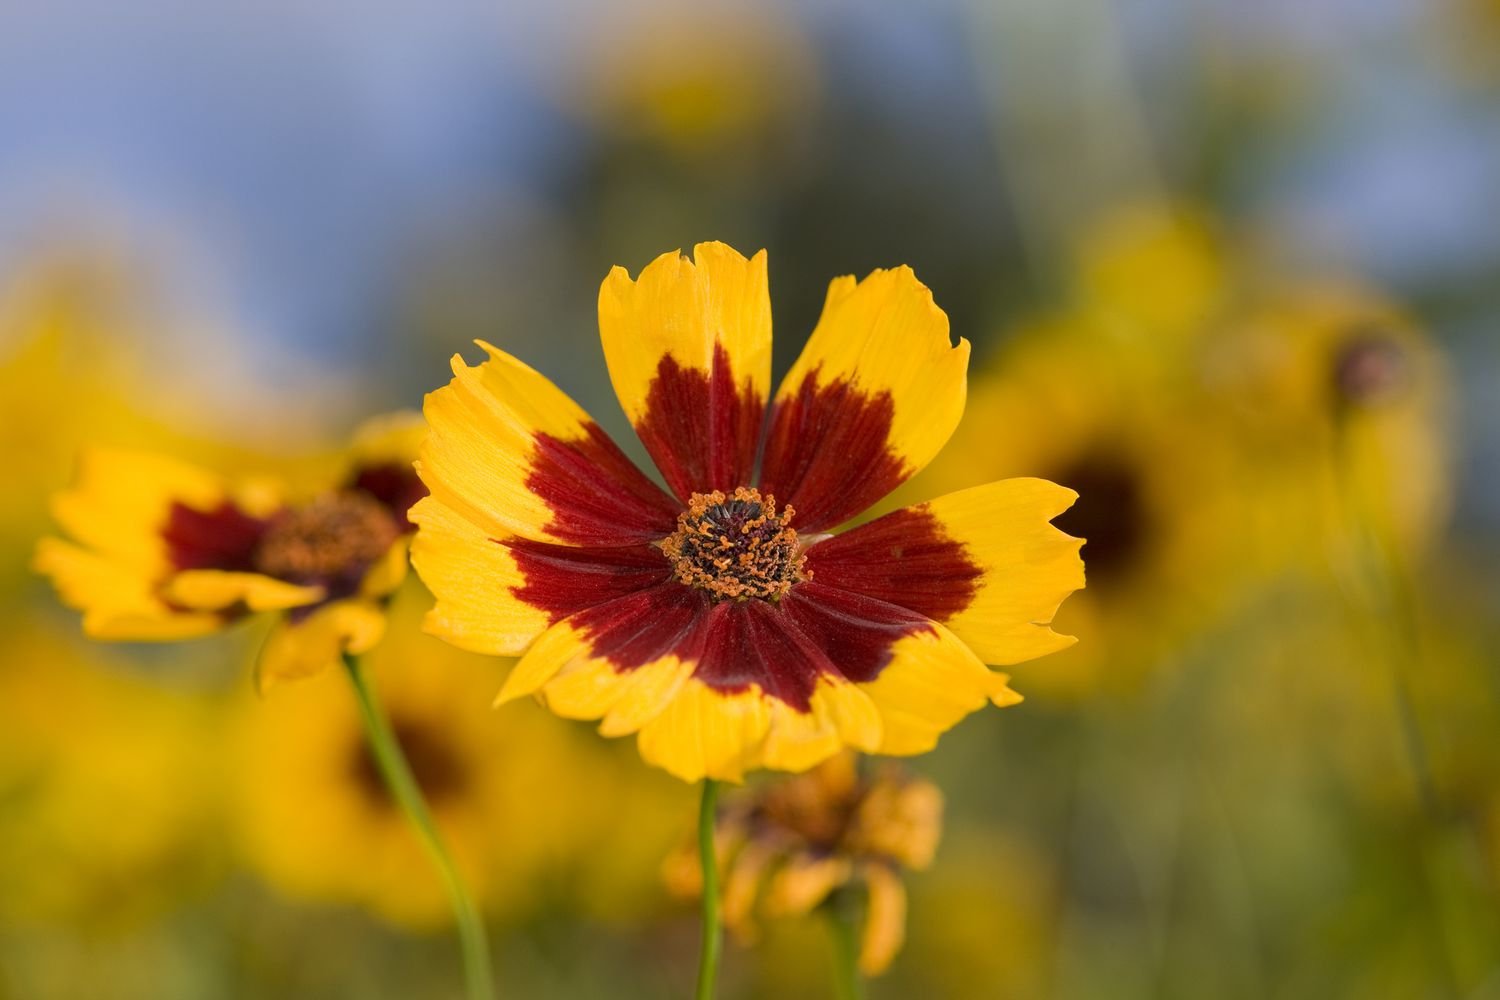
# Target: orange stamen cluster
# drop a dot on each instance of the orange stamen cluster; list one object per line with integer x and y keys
{"x": 332, "y": 536}
{"x": 736, "y": 546}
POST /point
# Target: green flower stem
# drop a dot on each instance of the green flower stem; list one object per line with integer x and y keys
{"x": 713, "y": 934}
{"x": 404, "y": 789}
{"x": 842, "y": 921}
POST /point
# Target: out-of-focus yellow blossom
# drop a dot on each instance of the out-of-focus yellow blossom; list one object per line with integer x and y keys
{"x": 1065, "y": 403}
{"x": 696, "y": 79}
{"x": 317, "y": 821}
{"x": 1340, "y": 406}
{"x": 788, "y": 846}
{"x": 107, "y": 786}
{"x": 159, "y": 549}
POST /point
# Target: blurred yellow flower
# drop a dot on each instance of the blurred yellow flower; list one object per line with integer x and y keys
{"x": 317, "y": 821}
{"x": 108, "y": 786}
{"x": 693, "y": 78}
{"x": 791, "y": 844}
{"x": 159, "y": 549}
{"x": 1341, "y": 406}
{"x": 1065, "y": 403}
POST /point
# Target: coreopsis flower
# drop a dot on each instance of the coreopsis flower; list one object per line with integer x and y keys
{"x": 160, "y": 549}
{"x": 790, "y": 845}
{"x": 720, "y": 621}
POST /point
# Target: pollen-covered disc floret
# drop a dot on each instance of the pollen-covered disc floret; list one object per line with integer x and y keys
{"x": 736, "y": 546}
{"x": 332, "y": 536}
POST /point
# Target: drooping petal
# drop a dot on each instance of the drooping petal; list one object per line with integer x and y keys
{"x": 387, "y": 573}
{"x": 805, "y": 881}
{"x": 987, "y": 562}
{"x": 302, "y": 646}
{"x": 512, "y": 454}
{"x": 216, "y": 590}
{"x": 874, "y": 396}
{"x": 688, "y": 345}
{"x": 885, "y": 919}
{"x": 497, "y": 595}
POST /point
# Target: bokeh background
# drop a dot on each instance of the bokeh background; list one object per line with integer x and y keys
{"x": 1232, "y": 270}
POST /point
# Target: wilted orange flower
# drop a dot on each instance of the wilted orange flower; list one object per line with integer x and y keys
{"x": 721, "y": 621}
{"x": 792, "y": 844}
{"x": 160, "y": 549}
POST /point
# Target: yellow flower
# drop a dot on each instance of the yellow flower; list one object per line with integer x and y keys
{"x": 793, "y": 843}
{"x": 695, "y": 79}
{"x": 107, "y": 786}
{"x": 159, "y": 549}
{"x": 316, "y": 820}
{"x": 1068, "y": 402}
{"x": 721, "y": 621}
{"x": 1341, "y": 405}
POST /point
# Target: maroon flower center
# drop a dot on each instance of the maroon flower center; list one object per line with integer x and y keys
{"x": 435, "y": 764}
{"x": 1110, "y": 513}
{"x": 736, "y": 546}
{"x": 1370, "y": 369}
{"x": 334, "y": 536}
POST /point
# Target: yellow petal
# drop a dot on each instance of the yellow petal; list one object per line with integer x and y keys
{"x": 885, "y": 919}
{"x": 742, "y": 885}
{"x": 985, "y": 561}
{"x": 306, "y": 647}
{"x": 688, "y": 346}
{"x": 388, "y": 572}
{"x": 841, "y": 715}
{"x": 705, "y": 733}
{"x": 514, "y": 456}
{"x": 118, "y": 601}
{"x": 804, "y": 882}
{"x": 120, "y": 501}
{"x": 931, "y": 682}
{"x": 472, "y": 577}
{"x": 214, "y": 590}
{"x": 874, "y": 396}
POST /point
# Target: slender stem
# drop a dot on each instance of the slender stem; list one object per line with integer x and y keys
{"x": 408, "y": 795}
{"x": 713, "y": 936}
{"x": 842, "y": 918}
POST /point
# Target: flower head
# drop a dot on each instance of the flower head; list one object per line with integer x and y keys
{"x": 718, "y": 619}
{"x": 160, "y": 549}
{"x": 794, "y": 843}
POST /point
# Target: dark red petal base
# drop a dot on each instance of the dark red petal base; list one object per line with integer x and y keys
{"x": 904, "y": 558}
{"x": 828, "y": 453}
{"x": 596, "y": 494}
{"x": 694, "y": 454}
{"x": 394, "y": 484}
{"x": 222, "y": 538}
